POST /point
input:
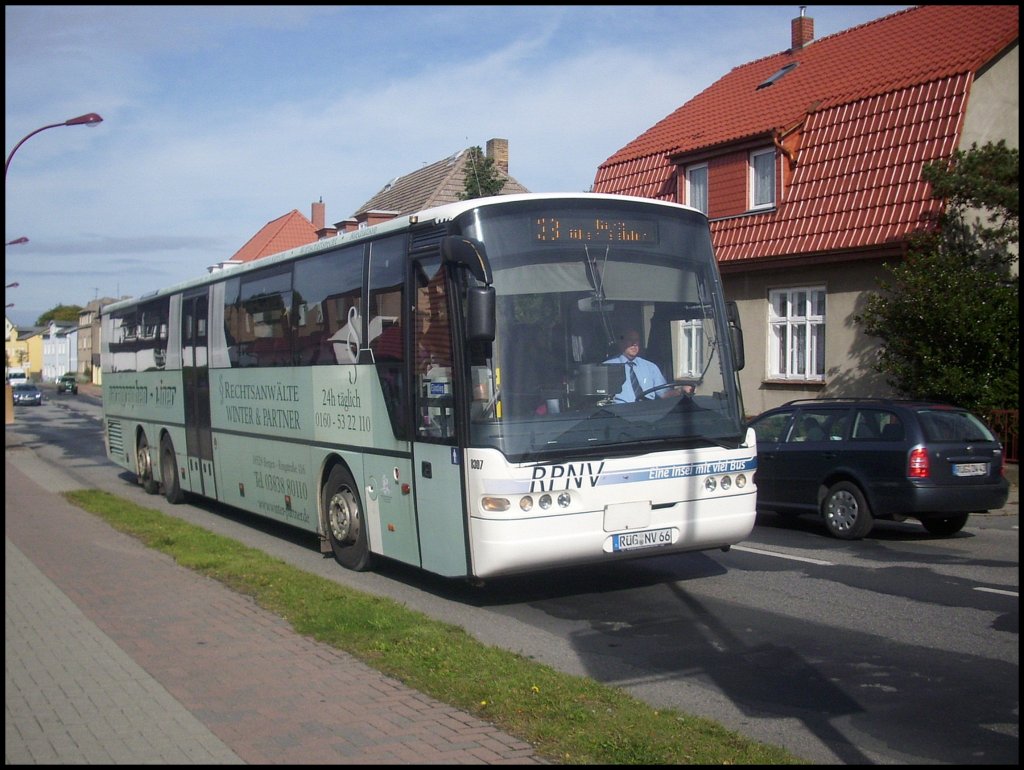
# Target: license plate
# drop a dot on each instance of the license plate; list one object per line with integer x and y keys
{"x": 970, "y": 469}
{"x": 650, "y": 538}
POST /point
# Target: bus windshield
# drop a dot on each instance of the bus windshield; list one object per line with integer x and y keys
{"x": 576, "y": 286}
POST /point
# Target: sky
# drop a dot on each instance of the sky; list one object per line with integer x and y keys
{"x": 217, "y": 120}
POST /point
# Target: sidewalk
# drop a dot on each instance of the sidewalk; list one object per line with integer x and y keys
{"x": 116, "y": 655}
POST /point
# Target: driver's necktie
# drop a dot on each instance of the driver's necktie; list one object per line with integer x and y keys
{"x": 638, "y": 390}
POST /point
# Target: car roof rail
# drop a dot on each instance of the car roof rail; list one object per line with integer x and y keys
{"x": 842, "y": 399}
{"x": 881, "y": 400}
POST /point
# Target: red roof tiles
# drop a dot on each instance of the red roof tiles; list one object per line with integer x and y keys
{"x": 875, "y": 102}
{"x": 286, "y": 232}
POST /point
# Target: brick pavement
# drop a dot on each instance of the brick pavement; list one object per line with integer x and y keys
{"x": 116, "y": 655}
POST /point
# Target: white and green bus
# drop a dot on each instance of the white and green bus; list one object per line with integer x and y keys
{"x": 435, "y": 389}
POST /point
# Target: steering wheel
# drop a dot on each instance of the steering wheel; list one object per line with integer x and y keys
{"x": 679, "y": 385}
{"x": 656, "y": 389}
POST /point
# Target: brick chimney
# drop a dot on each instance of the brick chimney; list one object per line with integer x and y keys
{"x": 318, "y": 217}
{"x": 497, "y": 150}
{"x": 802, "y": 28}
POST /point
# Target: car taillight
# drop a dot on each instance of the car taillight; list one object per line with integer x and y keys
{"x": 917, "y": 467}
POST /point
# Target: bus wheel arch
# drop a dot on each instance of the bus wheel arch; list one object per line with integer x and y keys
{"x": 173, "y": 492}
{"x": 144, "y": 464}
{"x": 344, "y": 518}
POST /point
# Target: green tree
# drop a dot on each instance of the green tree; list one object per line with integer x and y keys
{"x": 481, "y": 178}
{"x": 947, "y": 315}
{"x": 66, "y": 313}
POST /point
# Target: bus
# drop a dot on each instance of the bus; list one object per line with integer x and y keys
{"x": 436, "y": 389}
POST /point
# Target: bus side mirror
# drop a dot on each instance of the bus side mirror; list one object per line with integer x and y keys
{"x": 480, "y": 314}
{"x": 739, "y": 359}
{"x": 460, "y": 250}
{"x": 480, "y": 304}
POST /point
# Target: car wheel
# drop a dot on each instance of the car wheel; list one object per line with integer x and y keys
{"x": 846, "y": 512}
{"x": 946, "y": 525}
{"x": 169, "y": 471}
{"x": 144, "y": 467}
{"x": 346, "y": 524}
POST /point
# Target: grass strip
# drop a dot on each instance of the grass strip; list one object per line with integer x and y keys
{"x": 568, "y": 719}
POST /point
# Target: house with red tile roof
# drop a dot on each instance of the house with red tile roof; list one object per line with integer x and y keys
{"x": 808, "y": 164}
{"x": 286, "y": 232}
{"x": 433, "y": 185}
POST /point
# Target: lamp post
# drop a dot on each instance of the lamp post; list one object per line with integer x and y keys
{"x": 17, "y": 241}
{"x": 14, "y": 285}
{"x": 89, "y": 119}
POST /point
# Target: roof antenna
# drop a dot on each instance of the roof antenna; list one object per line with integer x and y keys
{"x": 476, "y": 172}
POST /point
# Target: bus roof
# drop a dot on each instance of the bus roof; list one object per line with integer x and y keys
{"x": 437, "y": 214}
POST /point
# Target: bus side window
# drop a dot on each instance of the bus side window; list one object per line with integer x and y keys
{"x": 433, "y": 363}
{"x": 328, "y": 288}
{"x": 384, "y": 336}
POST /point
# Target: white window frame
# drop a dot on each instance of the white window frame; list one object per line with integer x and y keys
{"x": 796, "y": 334}
{"x": 762, "y": 190}
{"x": 688, "y": 345}
{"x": 695, "y": 200}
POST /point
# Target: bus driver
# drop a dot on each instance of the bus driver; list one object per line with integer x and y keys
{"x": 641, "y": 375}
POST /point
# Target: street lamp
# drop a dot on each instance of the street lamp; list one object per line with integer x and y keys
{"x": 14, "y": 285}
{"x": 17, "y": 241}
{"x": 89, "y": 119}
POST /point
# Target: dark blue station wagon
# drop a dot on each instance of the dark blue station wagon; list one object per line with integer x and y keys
{"x": 853, "y": 461}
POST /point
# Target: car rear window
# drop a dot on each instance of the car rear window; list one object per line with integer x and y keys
{"x": 949, "y": 425}
{"x": 877, "y": 425}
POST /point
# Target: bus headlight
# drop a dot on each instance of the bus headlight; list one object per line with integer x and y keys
{"x": 725, "y": 483}
{"x": 545, "y": 501}
{"x": 564, "y": 500}
{"x": 496, "y": 504}
{"x": 526, "y": 503}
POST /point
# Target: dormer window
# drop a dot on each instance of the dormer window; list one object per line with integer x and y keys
{"x": 762, "y": 179}
{"x": 697, "y": 187}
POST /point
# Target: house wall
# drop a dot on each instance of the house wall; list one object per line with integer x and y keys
{"x": 994, "y": 105}
{"x": 727, "y": 192}
{"x": 15, "y": 349}
{"x": 849, "y": 355}
{"x": 60, "y": 353}
{"x": 34, "y": 365}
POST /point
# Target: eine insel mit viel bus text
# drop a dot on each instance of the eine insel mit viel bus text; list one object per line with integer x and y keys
{"x": 434, "y": 389}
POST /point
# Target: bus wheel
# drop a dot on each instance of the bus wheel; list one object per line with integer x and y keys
{"x": 144, "y": 463}
{"x": 169, "y": 471}
{"x": 346, "y": 525}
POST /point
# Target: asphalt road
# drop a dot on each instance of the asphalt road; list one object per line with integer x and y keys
{"x": 901, "y": 648}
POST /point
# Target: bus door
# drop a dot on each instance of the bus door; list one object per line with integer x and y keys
{"x": 195, "y": 371}
{"x": 437, "y": 458}
{"x": 388, "y": 477}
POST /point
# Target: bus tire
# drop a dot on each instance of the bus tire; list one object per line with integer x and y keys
{"x": 345, "y": 521}
{"x": 144, "y": 465}
{"x": 169, "y": 470}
